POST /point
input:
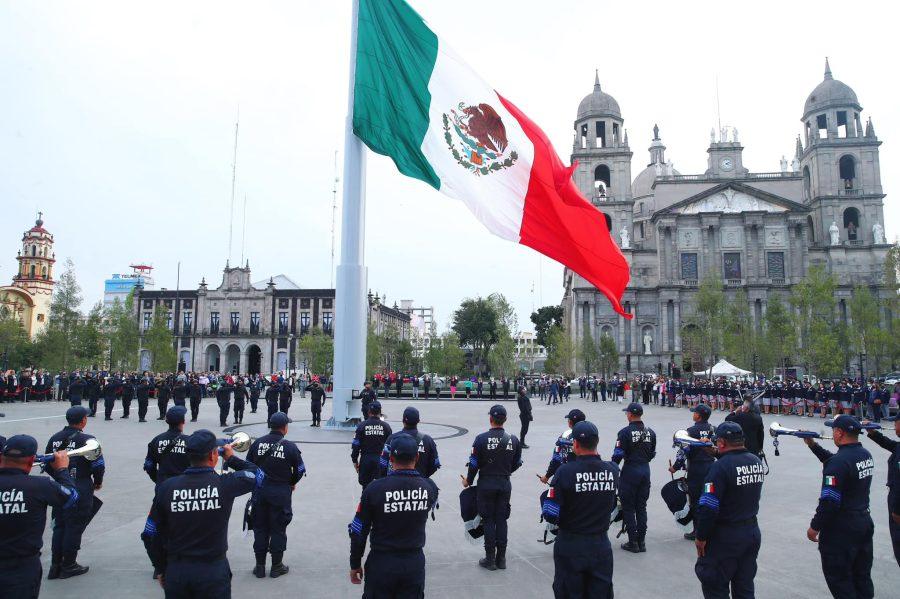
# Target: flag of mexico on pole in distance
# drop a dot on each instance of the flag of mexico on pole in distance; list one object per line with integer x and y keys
{"x": 417, "y": 102}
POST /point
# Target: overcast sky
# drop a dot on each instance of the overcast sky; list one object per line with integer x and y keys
{"x": 117, "y": 120}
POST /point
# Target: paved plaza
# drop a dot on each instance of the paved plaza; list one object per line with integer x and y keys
{"x": 318, "y": 545}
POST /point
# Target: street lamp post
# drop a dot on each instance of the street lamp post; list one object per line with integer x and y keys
{"x": 755, "y": 358}
{"x": 862, "y": 372}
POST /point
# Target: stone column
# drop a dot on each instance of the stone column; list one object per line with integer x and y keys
{"x": 677, "y": 326}
{"x": 663, "y": 345}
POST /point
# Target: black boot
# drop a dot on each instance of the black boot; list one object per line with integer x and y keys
{"x": 71, "y": 568}
{"x": 631, "y": 546}
{"x": 488, "y": 562}
{"x": 278, "y": 568}
{"x": 501, "y": 557}
{"x": 690, "y": 536}
{"x": 260, "y": 570}
{"x": 55, "y": 567}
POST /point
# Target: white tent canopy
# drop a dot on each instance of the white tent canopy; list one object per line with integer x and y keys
{"x": 723, "y": 368}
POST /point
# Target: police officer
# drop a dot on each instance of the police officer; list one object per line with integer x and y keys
{"x": 636, "y": 444}
{"x": 842, "y": 525}
{"x": 563, "y": 450}
{"x": 728, "y": 536}
{"x": 427, "y": 462}
{"x": 92, "y": 392}
{"x": 285, "y": 395}
{"x": 751, "y": 423}
{"x": 255, "y": 386}
{"x": 495, "y": 456}
{"x": 393, "y": 510}
{"x": 223, "y": 398}
{"x": 195, "y": 396}
{"x": 271, "y": 399}
{"x": 580, "y": 501}
{"x": 127, "y": 390}
{"x": 525, "y": 415}
{"x": 316, "y": 400}
{"x": 368, "y": 395}
{"x": 110, "y": 390}
{"x": 893, "y": 480}
{"x": 240, "y": 396}
{"x": 76, "y": 390}
{"x": 69, "y": 525}
{"x": 23, "y": 512}
{"x": 282, "y": 464}
{"x": 188, "y": 523}
{"x": 166, "y": 452}
{"x": 142, "y": 391}
{"x": 163, "y": 393}
{"x": 368, "y": 443}
{"x": 696, "y": 460}
{"x": 180, "y": 392}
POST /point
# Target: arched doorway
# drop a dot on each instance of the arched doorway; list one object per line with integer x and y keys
{"x": 254, "y": 360}
{"x": 213, "y": 356}
{"x": 851, "y": 223}
{"x": 847, "y": 170}
{"x": 184, "y": 360}
{"x": 232, "y": 359}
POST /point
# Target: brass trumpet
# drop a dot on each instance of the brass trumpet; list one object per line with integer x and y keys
{"x": 683, "y": 439}
{"x": 776, "y": 430}
{"x": 91, "y": 451}
{"x": 239, "y": 441}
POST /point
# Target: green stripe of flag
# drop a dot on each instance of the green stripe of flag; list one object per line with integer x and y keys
{"x": 395, "y": 57}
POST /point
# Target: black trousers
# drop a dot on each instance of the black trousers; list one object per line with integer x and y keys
{"x": 195, "y": 408}
{"x": 316, "y": 408}
{"x": 126, "y": 407}
{"x": 271, "y": 407}
{"x": 190, "y": 580}
{"x": 21, "y": 577}
{"x": 634, "y": 491}
{"x": 92, "y": 405}
{"x": 163, "y": 405}
{"x": 584, "y": 566}
{"x": 69, "y": 525}
{"x": 224, "y": 408}
{"x": 394, "y": 575}
{"x": 284, "y": 404}
{"x": 238, "y": 410}
{"x": 846, "y": 552}
{"x": 368, "y": 469}
{"x": 894, "y": 527}
{"x": 143, "y": 404}
{"x": 108, "y": 405}
{"x": 492, "y": 498}
{"x": 271, "y": 517}
{"x": 727, "y": 569}
{"x": 75, "y": 400}
{"x": 254, "y": 402}
{"x": 525, "y": 420}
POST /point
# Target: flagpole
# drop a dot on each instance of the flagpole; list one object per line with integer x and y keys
{"x": 351, "y": 316}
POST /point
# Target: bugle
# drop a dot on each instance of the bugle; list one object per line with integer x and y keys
{"x": 239, "y": 441}
{"x": 683, "y": 439}
{"x": 776, "y": 430}
{"x": 90, "y": 451}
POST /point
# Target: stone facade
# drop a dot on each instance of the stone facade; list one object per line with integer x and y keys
{"x": 759, "y": 232}
{"x": 29, "y": 297}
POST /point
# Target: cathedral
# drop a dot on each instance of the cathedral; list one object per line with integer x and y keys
{"x": 28, "y": 298}
{"x": 759, "y": 232}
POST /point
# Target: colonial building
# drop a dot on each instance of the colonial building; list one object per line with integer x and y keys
{"x": 240, "y": 326}
{"x": 757, "y": 231}
{"x": 530, "y": 356}
{"x": 28, "y": 298}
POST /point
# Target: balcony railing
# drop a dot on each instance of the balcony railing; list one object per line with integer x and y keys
{"x": 851, "y": 192}
{"x": 689, "y": 282}
{"x": 855, "y": 242}
{"x": 774, "y": 281}
{"x": 734, "y": 282}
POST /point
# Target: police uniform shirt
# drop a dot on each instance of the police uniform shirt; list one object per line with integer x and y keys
{"x": 84, "y": 472}
{"x": 166, "y": 456}
{"x": 370, "y": 438}
{"x": 272, "y": 394}
{"x": 367, "y": 396}
{"x": 190, "y": 513}
{"x": 317, "y": 393}
{"x": 240, "y": 393}
{"x": 846, "y": 480}
{"x": 731, "y": 492}
{"x": 636, "y": 443}
{"x": 393, "y": 510}
{"x": 196, "y": 391}
{"x": 23, "y": 509}
{"x": 284, "y": 464}
{"x": 427, "y": 460}
{"x": 563, "y": 452}
{"x": 76, "y": 388}
{"x": 893, "y": 478}
{"x": 143, "y": 390}
{"x": 181, "y": 391}
{"x": 752, "y": 425}
{"x": 582, "y": 495}
{"x": 698, "y": 456}
{"x": 492, "y": 458}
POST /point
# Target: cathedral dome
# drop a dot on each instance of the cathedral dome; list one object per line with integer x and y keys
{"x": 598, "y": 103}
{"x": 643, "y": 183}
{"x": 830, "y": 93}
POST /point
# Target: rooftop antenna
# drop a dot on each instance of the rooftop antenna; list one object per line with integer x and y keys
{"x": 333, "y": 213}
{"x": 244, "y": 228}
{"x": 233, "y": 176}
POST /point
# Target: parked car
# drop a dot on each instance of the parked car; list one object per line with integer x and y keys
{"x": 892, "y": 378}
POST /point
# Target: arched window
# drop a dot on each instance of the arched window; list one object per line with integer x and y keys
{"x": 847, "y": 168}
{"x": 32, "y": 271}
{"x": 44, "y": 272}
{"x": 34, "y": 250}
{"x": 807, "y": 186}
{"x": 812, "y": 229}
{"x": 851, "y": 222}
{"x": 602, "y": 180}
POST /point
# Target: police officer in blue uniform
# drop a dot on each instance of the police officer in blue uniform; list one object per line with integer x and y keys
{"x": 223, "y": 398}
{"x": 893, "y": 480}
{"x": 166, "y": 453}
{"x": 495, "y": 456}
{"x": 697, "y": 460}
{"x": 188, "y": 522}
{"x": 427, "y": 462}
{"x": 580, "y": 501}
{"x": 563, "y": 450}
{"x": 69, "y": 525}
{"x": 367, "y": 396}
{"x": 240, "y": 397}
{"x": 76, "y": 390}
{"x": 393, "y": 511}
{"x": 23, "y": 513}
{"x": 842, "y": 525}
{"x": 316, "y": 400}
{"x": 282, "y": 464}
{"x": 285, "y": 395}
{"x": 271, "y": 398}
{"x": 142, "y": 391}
{"x": 728, "y": 536}
{"x": 636, "y": 444}
{"x": 110, "y": 391}
{"x": 368, "y": 443}
{"x": 195, "y": 396}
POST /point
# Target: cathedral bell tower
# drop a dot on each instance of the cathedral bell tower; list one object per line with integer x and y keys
{"x": 839, "y": 163}
{"x": 36, "y": 260}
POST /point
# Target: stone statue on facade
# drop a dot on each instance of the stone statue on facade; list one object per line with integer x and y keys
{"x": 655, "y": 132}
{"x": 795, "y": 165}
{"x": 648, "y": 344}
{"x": 734, "y": 135}
{"x": 783, "y": 164}
{"x": 626, "y": 240}
{"x": 877, "y": 233}
{"x": 835, "y": 233}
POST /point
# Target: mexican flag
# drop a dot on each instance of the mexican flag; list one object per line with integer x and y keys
{"x": 417, "y": 102}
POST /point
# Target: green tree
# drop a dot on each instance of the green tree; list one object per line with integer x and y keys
{"x": 740, "y": 337}
{"x": 122, "y": 334}
{"x": 373, "y": 351}
{"x": 780, "y": 335}
{"x": 16, "y": 350}
{"x": 704, "y": 326}
{"x": 588, "y": 352}
{"x": 58, "y": 338}
{"x": 319, "y": 351}
{"x": 544, "y": 319}
{"x": 159, "y": 341}
{"x": 609, "y": 356}
{"x": 864, "y": 312}
{"x": 477, "y": 325}
{"x": 502, "y": 358}
{"x": 89, "y": 345}
{"x": 403, "y": 357}
{"x": 813, "y": 300}
{"x": 560, "y": 352}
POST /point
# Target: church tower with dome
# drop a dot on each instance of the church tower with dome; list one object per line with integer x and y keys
{"x": 28, "y": 298}
{"x": 758, "y": 231}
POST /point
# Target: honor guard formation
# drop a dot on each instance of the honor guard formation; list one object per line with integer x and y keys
{"x": 185, "y": 534}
